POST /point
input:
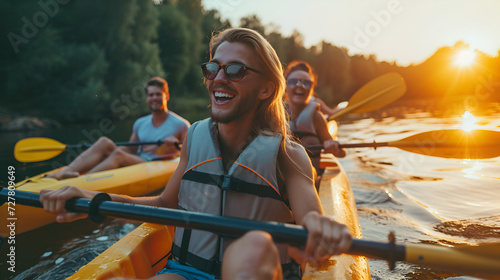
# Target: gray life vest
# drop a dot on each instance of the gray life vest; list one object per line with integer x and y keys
{"x": 304, "y": 124}
{"x": 248, "y": 190}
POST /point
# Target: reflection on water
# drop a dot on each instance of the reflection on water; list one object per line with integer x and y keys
{"x": 423, "y": 199}
{"x": 473, "y": 172}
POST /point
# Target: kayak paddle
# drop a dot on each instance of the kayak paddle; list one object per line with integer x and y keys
{"x": 41, "y": 148}
{"x": 377, "y": 93}
{"x": 468, "y": 259}
{"x": 446, "y": 143}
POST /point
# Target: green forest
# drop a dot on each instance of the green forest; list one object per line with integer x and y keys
{"x": 78, "y": 61}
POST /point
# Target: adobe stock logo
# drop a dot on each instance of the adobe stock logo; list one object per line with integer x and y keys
{"x": 39, "y": 20}
{"x": 363, "y": 36}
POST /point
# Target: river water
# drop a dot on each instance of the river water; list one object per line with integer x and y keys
{"x": 423, "y": 199}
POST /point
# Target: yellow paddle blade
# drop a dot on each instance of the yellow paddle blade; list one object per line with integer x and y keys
{"x": 452, "y": 143}
{"x": 483, "y": 259}
{"x": 376, "y": 94}
{"x": 37, "y": 149}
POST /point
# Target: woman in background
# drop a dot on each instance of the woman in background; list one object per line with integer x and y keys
{"x": 307, "y": 122}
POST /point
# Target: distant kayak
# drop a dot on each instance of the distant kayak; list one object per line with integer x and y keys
{"x": 135, "y": 180}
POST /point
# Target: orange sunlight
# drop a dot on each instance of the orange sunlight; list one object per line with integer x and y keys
{"x": 465, "y": 57}
{"x": 468, "y": 121}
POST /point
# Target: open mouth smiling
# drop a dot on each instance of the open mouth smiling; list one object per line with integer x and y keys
{"x": 300, "y": 94}
{"x": 222, "y": 97}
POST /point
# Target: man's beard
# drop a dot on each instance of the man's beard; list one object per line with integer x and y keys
{"x": 153, "y": 108}
{"x": 157, "y": 110}
{"x": 228, "y": 118}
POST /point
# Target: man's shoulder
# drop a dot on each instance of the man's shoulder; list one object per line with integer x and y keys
{"x": 294, "y": 158}
{"x": 143, "y": 119}
{"x": 178, "y": 119}
{"x": 294, "y": 149}
{"x": 205, "y": 122}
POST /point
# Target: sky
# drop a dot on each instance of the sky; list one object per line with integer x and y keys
{"x": 401, "y": 31}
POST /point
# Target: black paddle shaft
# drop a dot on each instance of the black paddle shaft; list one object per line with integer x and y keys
{"x": 352, "y": 145}
{"x": 159, "y": 143}
{"x": 291, "y": 234}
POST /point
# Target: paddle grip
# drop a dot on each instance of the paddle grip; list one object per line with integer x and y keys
{"x": 92, "y": 207}
{"x": 95, "y": 203}
{"x": 178, "y": 145}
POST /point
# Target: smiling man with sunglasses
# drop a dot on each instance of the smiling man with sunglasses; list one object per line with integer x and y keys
{"x": 241, "y": 163}
{"x": 235, "y": 77}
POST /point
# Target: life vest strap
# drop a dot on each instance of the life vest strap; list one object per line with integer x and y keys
{"x": 212, "y": 267}
{"x": 186, "y": 237}
{"x": 225, "y": 182}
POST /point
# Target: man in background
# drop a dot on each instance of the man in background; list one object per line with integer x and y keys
{"x": 161, "y": 125}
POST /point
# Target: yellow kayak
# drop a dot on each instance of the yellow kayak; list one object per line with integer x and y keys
{"x": 135, "y": 180}
{"x": 143, "y": 251}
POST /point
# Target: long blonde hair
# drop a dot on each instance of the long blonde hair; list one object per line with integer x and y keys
{"x": 271, "y": 116}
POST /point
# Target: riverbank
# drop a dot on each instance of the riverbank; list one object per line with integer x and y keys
{"x": 11, "y": 122}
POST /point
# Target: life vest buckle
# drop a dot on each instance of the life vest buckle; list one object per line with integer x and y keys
{"x": 227, "y": 182}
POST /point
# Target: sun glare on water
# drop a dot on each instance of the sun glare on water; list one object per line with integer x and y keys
{"x": 465, "y": 57}
{"x": 468, "y": 121}
{"x": 474, "y": 169}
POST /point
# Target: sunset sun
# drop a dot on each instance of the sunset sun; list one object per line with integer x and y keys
{"x": 465, "y": 57}
{"x": 468, "y": 121}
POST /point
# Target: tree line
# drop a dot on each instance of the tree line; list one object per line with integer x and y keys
{"x": 81, "y": 60}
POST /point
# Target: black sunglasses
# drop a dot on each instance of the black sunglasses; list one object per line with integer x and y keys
{"x": 306, "y": 84}
{"x": 233, "y": 71}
